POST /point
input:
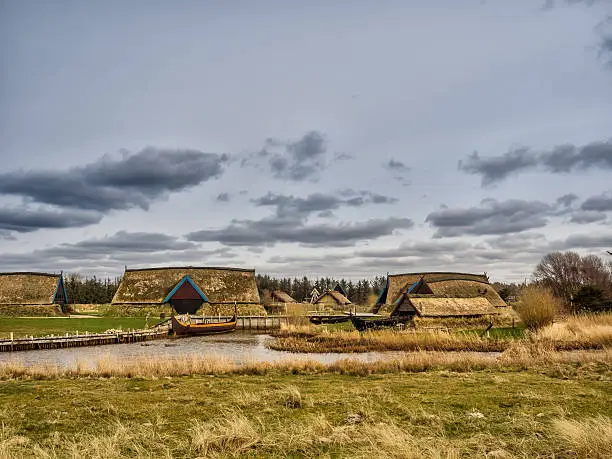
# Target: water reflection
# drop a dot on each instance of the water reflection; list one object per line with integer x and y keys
{"x": 240, "y": 347}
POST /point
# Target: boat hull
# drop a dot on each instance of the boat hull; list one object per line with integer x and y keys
{"x": 181, "y": 328}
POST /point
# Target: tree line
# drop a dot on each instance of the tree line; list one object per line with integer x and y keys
{"x": 90, "y": 290}
{"x": 300, "y": 288}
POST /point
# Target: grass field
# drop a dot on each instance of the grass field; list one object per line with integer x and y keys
{"x": 432, "y": 414}
{"x": 40, "y": 326}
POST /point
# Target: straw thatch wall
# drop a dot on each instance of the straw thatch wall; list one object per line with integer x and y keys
{"x": 31, "y": 310}
{"x": 27, "y": 288}
{"x": 333, "y": 297}
{"x": 220, "y": 285}
{"x": 397, "y": 282}
{"x": 451, "y": 307}
{"x": 282, "y": 297}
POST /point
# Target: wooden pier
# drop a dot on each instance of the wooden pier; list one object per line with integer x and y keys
{"x": 78, "y": 340}
{"x": 257, "y": 323}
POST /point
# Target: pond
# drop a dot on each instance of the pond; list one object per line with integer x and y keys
{"x": 240, "y": 347}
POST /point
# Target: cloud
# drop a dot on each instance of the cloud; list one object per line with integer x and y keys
{"x": 298, "y": 160}
{"x": 601, "y": 203}
{"x": 567, "y": 199}
{"x": 396, "y": 166}
{"x": 24, "y": 220}
{"x": 587, "y": 216}
{"x": 491, "y": 217}
{"x": 272, "y": 230}
{"x": 134, "y": 180}
{"x": 560, "y": 159}
{"x": 289, "y": 221}
{"x": 223, "y": 197}
{"x": 320, "y": 202}
{"x": 498, "y": 168}
{"x": 109, "y": 254}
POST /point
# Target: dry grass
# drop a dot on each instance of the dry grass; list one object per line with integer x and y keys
{"x": 236, "y": 434}
{"x": 517, "y": 357}
{"x": 578, "y": 332}
{"x": 538, "y": 307}
{"x": 587, "y": 438}
{"x": 301, "y": 340}
{"x": 575, "y": 333}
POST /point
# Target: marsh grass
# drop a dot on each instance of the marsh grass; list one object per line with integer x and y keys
{"x": 537, "y": 307}
{"x": 574, "y": 333}
{"x": 591, "y": 437}
{"x": 519, "y": 356}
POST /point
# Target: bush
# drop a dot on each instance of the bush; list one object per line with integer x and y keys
{"x": 537, "y": 307}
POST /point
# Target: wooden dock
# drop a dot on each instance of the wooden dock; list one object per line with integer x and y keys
{"x": 78, "y": 340}
{"x": 257, "y": 323}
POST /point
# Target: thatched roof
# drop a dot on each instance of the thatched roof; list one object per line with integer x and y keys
{"x": 397, "y": 282}
{"x": 338, "y": 297}
{"x": 466, "y": 289}
{"x": 451, "y": 307}
{"x": 220, "y": 285}
{"x": 282, "y": 297}
{"x": 28, "y": 288}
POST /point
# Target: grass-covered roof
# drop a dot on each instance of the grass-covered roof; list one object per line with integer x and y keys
{"x": 466, "y": 283}
{"x": 220, "y": 285}
{"x": 452, "y": 307}
{"x": 28, "y": 288}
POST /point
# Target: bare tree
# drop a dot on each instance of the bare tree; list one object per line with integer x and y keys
{"x": 565, "y": 272}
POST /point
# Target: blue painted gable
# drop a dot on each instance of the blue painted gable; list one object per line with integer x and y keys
{"x": 181, "y": 282}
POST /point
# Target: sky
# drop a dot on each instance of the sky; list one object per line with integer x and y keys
{"x": 345, "y": 139}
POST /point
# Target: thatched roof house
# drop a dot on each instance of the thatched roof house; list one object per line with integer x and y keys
{"x": 281, "y": 297}
{"x": 333, "y": 299}
{"x": 27, "y": 288}
{"x": 438, "y": 294}
{"x": 187, "y": 287}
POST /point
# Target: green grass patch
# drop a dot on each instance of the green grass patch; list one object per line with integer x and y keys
{"x": 434, "y": 414}
{"x": 42, "y": 326}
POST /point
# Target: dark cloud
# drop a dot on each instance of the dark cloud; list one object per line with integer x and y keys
{"x": 134, "y": 180}
{"x": 587, "y": 216}
{"x": 289, "y": 222}
{"x": 270, "y": 231}
{"x": 299, "y": 160}
{"x": 605, "y": 48}
{"x": 320, "y": 202}
{"x": 223, "y": 197}
{"x": 396, "y": 166}
{"x": 25, "y": 220}
{"x": 567, "y": 158}
{"x": 567, "y": 199}
{"x": 110, "y": 253}
{"x": 494, "y": 169}
{"x": 491, "y": 217}
{"x": 560, "y": 159}
{"x": 601, "y": 203}
{"x": 124, "y": 242}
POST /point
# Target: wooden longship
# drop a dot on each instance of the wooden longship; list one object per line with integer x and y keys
{"x": 182, "y": 328}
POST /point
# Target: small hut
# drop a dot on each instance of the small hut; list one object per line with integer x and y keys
{"x": 27, "y": 291}
{"x": 278, "y": 296}
{"x": 187, "y": 289}
{"x": 332, "y": 299}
